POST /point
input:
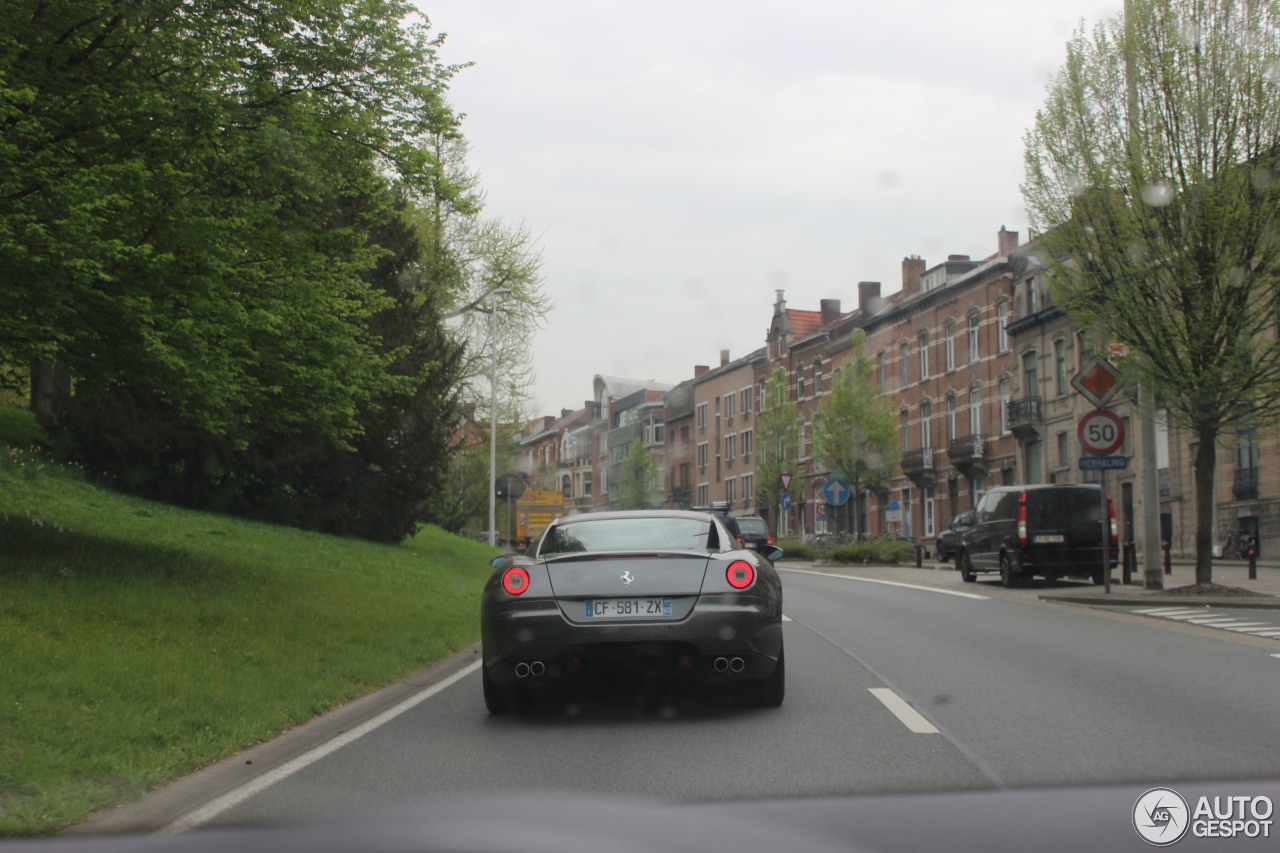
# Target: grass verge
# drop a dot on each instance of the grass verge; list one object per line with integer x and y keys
{"x": 140, "y": 641}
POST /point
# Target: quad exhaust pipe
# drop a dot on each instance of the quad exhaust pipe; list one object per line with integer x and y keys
{"x": 537, "y": 669}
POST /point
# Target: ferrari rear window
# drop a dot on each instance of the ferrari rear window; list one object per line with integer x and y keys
{"x": 627, "y": 534}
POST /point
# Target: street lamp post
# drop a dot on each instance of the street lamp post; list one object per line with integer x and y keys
{"x": 493, "y": 412}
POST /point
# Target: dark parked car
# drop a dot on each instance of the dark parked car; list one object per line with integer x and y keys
{"x": 1050, "y": 531}
{"x": 949, "y": 538}
{"x": 755, "y": 532}
{"x": 730, "y": 523}
{"x": 629, "y": 596}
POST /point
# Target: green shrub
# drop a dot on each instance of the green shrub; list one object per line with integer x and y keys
{"x": 794, "y": 549}
{"x": 878, "y": 552}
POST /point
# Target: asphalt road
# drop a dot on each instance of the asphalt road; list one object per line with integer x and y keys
{"x": 922, "y": 683}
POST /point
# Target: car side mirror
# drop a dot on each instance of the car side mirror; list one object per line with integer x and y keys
{"x": 498, "y": 561}
{"x": 773, "y": 553}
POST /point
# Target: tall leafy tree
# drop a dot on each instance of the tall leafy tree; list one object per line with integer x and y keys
{"x": 856, "y": 437}
{"x": 777, "y": 432}
{"x": 1154, "y": 171}
{"x": 163, "y": 168}
{"x": 635, "y": 484}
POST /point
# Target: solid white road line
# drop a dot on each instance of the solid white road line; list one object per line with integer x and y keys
{"x": 891, "y": 583}
{"x": 229, "y": 800}
{"x": 910, "y": 717}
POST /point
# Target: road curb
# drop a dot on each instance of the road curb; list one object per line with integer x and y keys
{"x": 1242, "y": 602}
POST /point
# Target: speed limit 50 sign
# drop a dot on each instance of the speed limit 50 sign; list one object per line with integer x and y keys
{"x": 1101, "y": 432}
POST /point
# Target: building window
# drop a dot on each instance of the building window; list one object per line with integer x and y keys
{"x": 817, "y": 377}
{"x": 1031, "y": 296}
{"x": 951, "y": 416}
{"x": 800, "y": 383}
{"x": 702, "y": 456}
{"x": 975, "y": 412}
{"x": 728, "y": 491}
{"x": 703, "y": 497}
{"x": 746, "y": 402}
{"x": 974, "y": 322}
{"x": 949, "y": 346}
{"x": 902, "y": 424}
{"x": 730, "y": 446}
{"x": 926, "y": 424}
{"x": 586, "y": 485}
{"x": 1030, "y": 374}
{"x": 1063, "y": 461}
{"x": 748, "y": 489}
{"x": 903, "y": 352}
{"x": 880, "y": 371}
{"x": 924, "y": 356}
{"x": 746, "y": 444}
{"x": 702, "y": 416}
{"x": 1002, "y": 325}
{"x": 1032, "y": 460}
{"x": 1005, "y": 392}
{"x": 928, "y": 512}
{"x": 1060, "y": 366}
{"x": 729, "y": 401}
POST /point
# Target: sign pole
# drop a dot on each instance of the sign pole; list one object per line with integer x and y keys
{"x": 1106, "y": 534}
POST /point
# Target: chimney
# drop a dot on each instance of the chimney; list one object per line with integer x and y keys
{"x": 699, "y": 369}
{"x": 957, "y": 258}
{"x": 564, "y": 413}
{"x": 1007, "y": 241}
{"x": 912, "y": 275}
{"x": 724, "y": 357}
{"x": 868, "y": 297}
{"x": 830, "y": 311}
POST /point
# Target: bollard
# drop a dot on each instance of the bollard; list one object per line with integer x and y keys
{"x": 1168, "y": 560}
{"x": 919, "y": 556}
{"x": 1253, "y": 565}
{"x": 1126, "y": 562}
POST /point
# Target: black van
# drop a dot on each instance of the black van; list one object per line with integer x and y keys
{"x": 1050, "y": 531}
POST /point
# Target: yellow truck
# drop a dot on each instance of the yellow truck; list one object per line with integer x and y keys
{"x": 534, "y": 511}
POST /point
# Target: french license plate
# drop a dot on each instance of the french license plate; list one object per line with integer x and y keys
{"x": 1050, "y": 539}
{"x": 616, "y": 608}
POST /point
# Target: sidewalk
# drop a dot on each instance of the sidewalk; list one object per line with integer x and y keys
{"x": 1225, "y": 573}
{"x": 1231, "y": 573}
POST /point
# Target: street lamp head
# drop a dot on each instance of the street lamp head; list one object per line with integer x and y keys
{"x": 501, "y": 291}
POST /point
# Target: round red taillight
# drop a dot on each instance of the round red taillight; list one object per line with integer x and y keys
{"x": 740, "y": 574}
{"x": 515, "y": 580}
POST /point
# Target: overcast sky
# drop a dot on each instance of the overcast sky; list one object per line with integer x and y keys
{"x": 679, "y": 160}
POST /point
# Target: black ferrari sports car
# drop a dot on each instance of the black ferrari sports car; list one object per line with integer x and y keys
{"x": 627, "y": 597}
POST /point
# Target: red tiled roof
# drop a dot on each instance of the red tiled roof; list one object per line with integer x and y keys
{"x": 804, "y": 323}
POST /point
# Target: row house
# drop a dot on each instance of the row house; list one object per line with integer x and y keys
{"x": 629, "y": 410}
{"x": 942, "y": 355}
{"x": 978, "y": 361}
{"x": 723, "y": 433}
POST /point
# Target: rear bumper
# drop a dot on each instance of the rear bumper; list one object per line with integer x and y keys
{"x": 745, "y": 628}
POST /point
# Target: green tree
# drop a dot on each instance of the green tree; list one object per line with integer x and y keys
{"x": 856, "y": 437}
{"x": 1153, "y": 171}
{"x": 777, "y": 432}
{"x": 636, "y": 478}
{"x": 164, "y": 176}
{"x": 468, "y": 257}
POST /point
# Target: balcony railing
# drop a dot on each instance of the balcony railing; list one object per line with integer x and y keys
{"x": 1245, "y": 484}
{"x": 967, "y": 450}
{"x": 918, "y": 464}
{"x": 1024, "y": 412}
